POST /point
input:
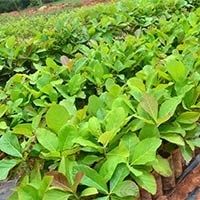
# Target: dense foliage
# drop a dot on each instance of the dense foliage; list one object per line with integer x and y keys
{"x": 97, "y": 97}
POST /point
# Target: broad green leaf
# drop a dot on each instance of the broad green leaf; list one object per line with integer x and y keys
{"x": 67, "y": 137}
{"x": 6, "y": 166}
{"x": 95, "y": 105}
{"x": 134, "y": 171}
{"x": 130, "y": 140}
{"x": 150, "y": 105}
{"x": 148, "y": 131}
{"x": 92, "y": 178}
{"x": 113, "y": 88}
{"x": 188, "y": 117}
{"x": 89, "y": 192}
{"x": 47, "y": 139}
{"x": 106, "y": 137}
{"x": 162, "y": 167}
{"x": 66, "y": 167}
{"x": 50, "y": 63}
{"x": 53, "y": 194}
{"x": 9, "y": 144}
{"x": 147, "y": 182}
{"x": 145, "y": 151}
{"x": 127, "y": 188}
{"x": 115, "y": 157}
{"x": 23, "y": 129}
{"x": 173, "y": 138}
{"x": 3, "y": 125}
{"x": 74, "y": 84}
{"x": 94, "y": 126}
{"x": 3, "y": 109}
{"x": 44, "y": 185}
{"x": 120, "y": 173}
{"x": 114, "y": 123}
{"x": 56, "y": 117}
{"x": 168, "y": 109}
{"x": 172, "y": 128}
{"x": 27, "y": 192}
{"x": 176, "y": 69}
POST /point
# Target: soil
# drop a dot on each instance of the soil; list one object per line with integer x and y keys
{"x": 189, "y": 184}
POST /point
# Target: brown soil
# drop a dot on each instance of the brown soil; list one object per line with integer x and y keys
{"x": 182, "y": 189}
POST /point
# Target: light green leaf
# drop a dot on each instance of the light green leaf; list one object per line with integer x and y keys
{"x": 10, "y": 145}
{"x": 145, "y": 151}
{"x": 3, "y": 125}
{"x": 23, "y": 129}
{"x": 176, "y": 69}
{"x": 27, "y": 192}
{"x": 114, "y": 123}
{"x": 53, "y": 194}
{"x": 3, "y": 109}
{"x": 130, "y": 140}
{"x": 168, "y": 109}
{"x": 162, "y": 167}
{"x": 150, "y": 105}
{"x": 173, "y": 138}
{"x": 115, "y": 157}
{"x": 56, "y": 117}
{"x": 148, "y": 131}
{"x": 6, "y": 166}
{"x": 47, "y": 139}
{"x": 92, "y": 178}
{"x": 127, "y": 188}
{"x": 89, "y": 192}
{"x": 147, "y": 182}
{"x": 67, "y": 136}
{"x": 188, "y": 117}
{"x": 120, "y": 173}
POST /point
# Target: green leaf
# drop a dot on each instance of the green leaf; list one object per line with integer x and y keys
{"x": 145, "y": 151}
{"x": 74, "y": 84}
{"x": 3, "y": 109}
{"x": 56, "y": 117}
{"x": 6, "y": 166}
{"x": 67, "y": 137}
{"x": 114, "y": 123}
{"x": 27, "y": 192}
{"x": 148, "y": 131}
{"x": 176, "y": 69}
{"x": 127, "y": 188}
{"x": 92, "y": 178}
{"x": 10, "y": 145}
{"x": 168, "y": 109}
{"x": 94, "y": 126}
{"x": 130, "y": 140}
{"x": 66, "y": 167}
{"x": 150, "y": 105}
{"x": 53, "y": 194}
{"x": 50, "y": 63}
{"x": 173, "y": 138}
{"x": 147, "y": 182}
{"x": 23, "y": 129}
{"x": 120, "y": 173}
{"x": 3, "y": 125}
{"x": 115, "y": 157}
{"x": 89, "y": 192}
{"x": 188, "y": 117}
{"x": 162, "y": 167}
{"x": 47, "y": 139}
